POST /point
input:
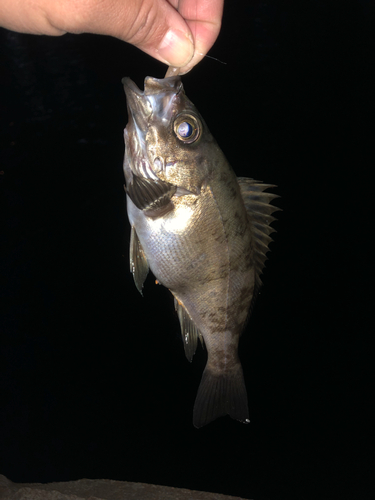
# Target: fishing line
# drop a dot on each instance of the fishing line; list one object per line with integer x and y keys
{"x": 200, "y": 53}
{"x": 210, "y": 57}
{"x": 173, "y": 71}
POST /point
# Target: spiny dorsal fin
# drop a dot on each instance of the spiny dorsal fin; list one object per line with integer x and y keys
{"x": 138, "y": 261}
{"x": 257, "y": 204}
{"x": 189, "y": 331}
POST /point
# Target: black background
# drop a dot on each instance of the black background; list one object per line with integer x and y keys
{"x": 93, "y": 378}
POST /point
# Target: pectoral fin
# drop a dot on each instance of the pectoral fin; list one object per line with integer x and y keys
{"x": 138, "y": 261}
{"x": 189, "y": 331}
{"x": 152, "y": 196}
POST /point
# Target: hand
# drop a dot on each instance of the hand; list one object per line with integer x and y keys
{"x": 178, "y": 38}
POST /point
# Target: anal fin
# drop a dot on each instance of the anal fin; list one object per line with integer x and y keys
{"x": 138, "y": 261}
{"x": 189, "y": 331}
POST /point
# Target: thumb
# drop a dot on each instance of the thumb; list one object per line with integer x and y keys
{"x": 159, "y": 30}
{"x": 153, "y": 26}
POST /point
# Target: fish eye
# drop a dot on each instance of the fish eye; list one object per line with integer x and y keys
{"x": 187, "y": 128}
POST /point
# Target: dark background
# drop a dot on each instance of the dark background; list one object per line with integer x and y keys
{"x": 93, "y": 378}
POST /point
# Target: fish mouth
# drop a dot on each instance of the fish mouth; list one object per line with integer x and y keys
{"x": 139, "y": 114}
{"x": 158, "y": 98}
{"x": 157, "y": 101}
{"x": 139, "y": 108}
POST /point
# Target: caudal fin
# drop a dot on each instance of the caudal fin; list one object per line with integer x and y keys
{"x": 220, "y": 395}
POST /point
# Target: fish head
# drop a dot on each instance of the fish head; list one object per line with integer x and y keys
{"x": 165, "y": 135}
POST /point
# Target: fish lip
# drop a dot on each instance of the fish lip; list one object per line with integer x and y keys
{"x": 130, "y": 86}
{"x": 153, "y": 85}
{"x": 139, "y": 114}
{"x": 156, "y": 86}
{"x": 139, "y": 109}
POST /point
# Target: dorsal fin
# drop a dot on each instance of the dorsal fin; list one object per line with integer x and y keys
{"x": 138, "y": 261}
{"x": 257, "y": 204}
{"x": 189, "y": 331}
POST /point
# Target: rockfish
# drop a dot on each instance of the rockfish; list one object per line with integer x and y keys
{"x": 202, "y": 231}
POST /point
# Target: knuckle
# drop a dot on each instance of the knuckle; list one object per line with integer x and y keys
{"x": 146, "y": 25}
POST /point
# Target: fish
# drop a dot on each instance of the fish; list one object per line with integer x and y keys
{"x": 202, "y": 231}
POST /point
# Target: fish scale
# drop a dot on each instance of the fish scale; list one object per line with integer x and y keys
{"x": 203, "y": 232}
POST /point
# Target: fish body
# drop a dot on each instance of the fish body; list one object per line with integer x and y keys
{"x": 202, "y": 231}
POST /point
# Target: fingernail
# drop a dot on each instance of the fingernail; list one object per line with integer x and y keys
{"x": 176, "y": 48}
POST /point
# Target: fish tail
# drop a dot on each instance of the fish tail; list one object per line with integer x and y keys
{"x": 221, "y": 394}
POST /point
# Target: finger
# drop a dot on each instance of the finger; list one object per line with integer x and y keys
{"x": 28, "y": 16}
{"x": 153, "y": 26}
{"x": 204, "y": 20}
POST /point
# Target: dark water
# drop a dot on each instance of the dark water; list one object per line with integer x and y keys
{"x": 93, "y": 379}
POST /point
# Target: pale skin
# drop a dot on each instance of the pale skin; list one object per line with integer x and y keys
{"x": 176, "y": 32}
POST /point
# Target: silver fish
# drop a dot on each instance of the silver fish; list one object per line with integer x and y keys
{"x": 202, "y": 231}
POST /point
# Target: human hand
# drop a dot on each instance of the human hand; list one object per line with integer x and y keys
{"x": 176, "y": 32}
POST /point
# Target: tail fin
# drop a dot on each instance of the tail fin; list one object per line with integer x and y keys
{"x": 219, "y": 395}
